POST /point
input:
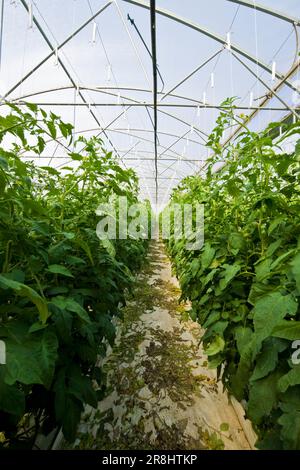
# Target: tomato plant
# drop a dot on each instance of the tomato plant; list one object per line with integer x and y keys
{"x": 244, "y": 283}
{"x": 60, "y": 285}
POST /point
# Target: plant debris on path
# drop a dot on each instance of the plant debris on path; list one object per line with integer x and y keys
{"x": 160, "y": 393}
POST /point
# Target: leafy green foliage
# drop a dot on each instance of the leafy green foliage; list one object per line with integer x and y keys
{"x": 60, "y": 285}
{"x": 244, "y": 282}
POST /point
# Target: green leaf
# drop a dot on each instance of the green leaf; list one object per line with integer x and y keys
{"x": 296, "y": 270}
{"x": 75, "y": 156}
{"x": 41, "y": 144}
{"x": 52, "y": 129}
{"x": 215, "y": 346}
{"x": 67, "y": 407}
{"x": 30, "y": 359}
{"x": 71, "y": 305}
{"x": 84, "y": 245}
{"x": 243, "y": 336}
{"x": 109, "y": 246}
{"x": 32, "y": 106}
{"x": 263, "y": 268}
{"x": 207, "y": 256}
{"x": 12, "y": 399}
{"x": 26, "y": 291}
{"x": 290, "y": 432}
{"x": 195, "y": 266}
{"x": 229, "y": 273}
{"x": 287, "y": 329}
{"x": 290, "y": 379}
{"x": 81, "y": 387}
{"x": 262, "y": 397}
{"x": 267, "y": 360}
{"x": 269, "y": 312}
{"x": 236, "y": 241}
{"x": 59, "y": 269}
{"x": 65, "y": 129}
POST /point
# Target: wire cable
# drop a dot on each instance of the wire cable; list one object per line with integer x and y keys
{"x": 132, "y": 22}
{"x": 154, "y": 71}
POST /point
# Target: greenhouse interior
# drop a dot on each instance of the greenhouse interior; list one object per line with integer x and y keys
{"x": 150, "y": 227}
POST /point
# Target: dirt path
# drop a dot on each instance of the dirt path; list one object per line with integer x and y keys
{"x": 161, "y": 395}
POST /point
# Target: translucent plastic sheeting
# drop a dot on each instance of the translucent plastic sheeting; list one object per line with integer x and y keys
{"x": 107, "y": 62}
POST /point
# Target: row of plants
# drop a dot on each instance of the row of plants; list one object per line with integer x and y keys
{"x": 244, "y": 283}
{"x": 60, "y": 285}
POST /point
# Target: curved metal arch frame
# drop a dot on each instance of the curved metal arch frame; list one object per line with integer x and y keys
{"x": 82, "y": 131}
{"x": 121, "y": 96}
{"x": 268, "y": 11}
{"x": 216, "y": 37}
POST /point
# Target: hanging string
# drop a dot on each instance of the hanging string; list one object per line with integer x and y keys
{"x": 94, "y": 32}
{"x": 273, "y": 71}
{"x": 56, "y": 57}
{"x": 256, "y": 53}
{"x": 108, "y": 73}
{"x": 251, "y": 99}
{"x": 23, "y": 57}
{"x": 30, "y": 16}
{"x": 76, "y": 90}
{"x": 228, "y": 40}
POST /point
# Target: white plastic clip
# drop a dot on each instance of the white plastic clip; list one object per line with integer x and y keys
{"x": 187, "y": 141}
{"x": 228, "y": 40}
{"x": 204, "y": 98}
{"x": 94, "y": 32}
{"x": 108, "y": 72}
{"x": 274, "y": 71}
{"x": 118, "y": 98}
{"x": 251, "y": 99}
{"x": 212, "y": 80}
{"x": 77, "y": 89}
{"x": 30, "y": 16}
{"x": 198, "y": 111}
{"x": 192, "y": 129}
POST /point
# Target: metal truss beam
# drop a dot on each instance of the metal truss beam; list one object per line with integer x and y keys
{"x": 58, "y": 48}
{"x": 269, "y": 11}
{"x": 267, "y": 98}
{"x": 216, "y": 37}
{"x": 162, "y": 105}
{"x": 45, "y": 37}
{"x": 271, "y": 90}
{"x": 187, "y": 77}
{"x": 196, "y": 129}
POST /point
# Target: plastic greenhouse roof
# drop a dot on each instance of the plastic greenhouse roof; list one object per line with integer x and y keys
{"x": 101, "y": 78}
